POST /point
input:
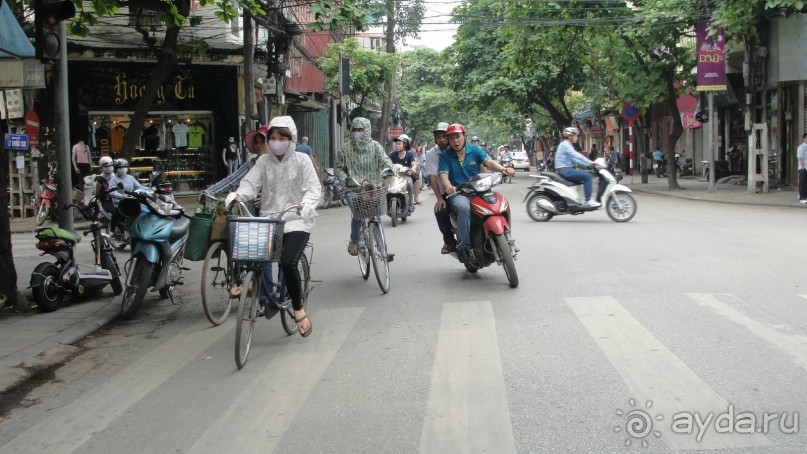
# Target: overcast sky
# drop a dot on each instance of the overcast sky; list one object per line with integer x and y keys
{"x": 436, "y": 32}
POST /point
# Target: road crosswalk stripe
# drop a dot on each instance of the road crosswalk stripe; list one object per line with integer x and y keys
{"x": 72, "y": 425}
{"x": 467, "y": 407}
{"x": 793, "y": 344}
{"x": 264, "y": 410}
{"x": 654, "y": 374}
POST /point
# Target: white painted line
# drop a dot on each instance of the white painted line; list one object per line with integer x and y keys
{"x": 260, "y": 415}
{"x": 793, "y": 344}
{"x": 654, "y": 374}
{"x": 72, "y": 425}
{"x": 467, "y": 408}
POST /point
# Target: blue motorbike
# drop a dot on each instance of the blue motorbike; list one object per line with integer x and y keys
{"x": 158, "y": 235}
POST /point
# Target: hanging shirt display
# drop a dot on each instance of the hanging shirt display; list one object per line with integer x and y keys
{"x": 180, "y": 131}
{"x": 151, "y": 137}
{"x": 116, "y": 139}
{"x": 196, "y": 134}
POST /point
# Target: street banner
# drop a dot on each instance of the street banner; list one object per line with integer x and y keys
{"x": 711, "y": 54}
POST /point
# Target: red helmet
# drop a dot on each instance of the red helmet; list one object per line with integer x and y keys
{"x": 455, "y": 128}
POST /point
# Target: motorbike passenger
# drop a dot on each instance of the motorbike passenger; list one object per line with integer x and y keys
{"x": 459, "y": 164}
{"x": 505, "y": 155}
{"x": 565, "y": 160}
{"x": 441, "y": 209}
{"x": 102, "y": 184}
{"x": 130, "y": 183}
{"x": 362, "y": 158}
{"x": 256, "y": 144}
{"x": 285, "y": 178}
{"x": 658, "y": 158}
{"x": 403, "y": 156}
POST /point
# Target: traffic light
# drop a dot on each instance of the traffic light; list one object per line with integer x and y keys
{"x": 47, "y": 15}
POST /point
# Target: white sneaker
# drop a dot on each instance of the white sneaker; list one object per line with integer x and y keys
{"x": 592, "y": 204}
{"x": 803, "y": 201}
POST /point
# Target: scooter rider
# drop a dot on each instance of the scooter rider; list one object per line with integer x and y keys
{"x": 441, "y": 209}
{"x": 459, "y": 164}
{"x": 130, "y": 183}
{"x": 566, "y": 158}
{"x": 102, "y": 184}
{"x": 403, "y": 156}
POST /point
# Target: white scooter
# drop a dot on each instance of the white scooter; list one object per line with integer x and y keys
{"x": 399, "y": 205}
{"x": 551, "y": 195}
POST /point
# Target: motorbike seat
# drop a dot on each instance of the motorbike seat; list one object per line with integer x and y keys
{"x": 179, "y": 228}
{"x": 560, "y": 179}
{"x": 60, "y": 234}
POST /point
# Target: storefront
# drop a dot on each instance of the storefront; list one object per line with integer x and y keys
{"x": 194, "y": 115}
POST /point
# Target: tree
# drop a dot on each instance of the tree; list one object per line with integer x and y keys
{"x": 424, "y": 99}
{"x": 173, "y": 14}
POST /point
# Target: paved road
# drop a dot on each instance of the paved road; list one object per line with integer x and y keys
{"x": 690, "y": 310}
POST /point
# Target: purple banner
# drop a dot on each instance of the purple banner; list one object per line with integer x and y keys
{"x": 711, "y": 53}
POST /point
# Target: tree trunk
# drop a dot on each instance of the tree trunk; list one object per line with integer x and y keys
{"x": 675, "y": 134}
{"x": 386, "y": 107}
{"x": 166, "y": 61}
{"x": 8, "y": 272}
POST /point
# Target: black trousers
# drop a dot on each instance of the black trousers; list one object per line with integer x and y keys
{"x": 444, "y": 224}
{"x": 802, "y": 184}
{"x": 293, "y": 247}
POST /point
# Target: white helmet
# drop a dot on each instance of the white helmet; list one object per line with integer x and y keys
{"x": 105, "y": 160}
{"x": 570, "y": 131}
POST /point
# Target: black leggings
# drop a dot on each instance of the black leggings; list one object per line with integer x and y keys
{"x": 293, "y": 247}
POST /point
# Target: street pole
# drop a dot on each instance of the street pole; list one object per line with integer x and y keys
{"x": 249, "y": 79}
{"x": 630, "y": 149}
{"x": 711, "y": 143}
{"x": 64, "y": 176}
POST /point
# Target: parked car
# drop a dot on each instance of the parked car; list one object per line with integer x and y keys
{"x": 521, "y": 161}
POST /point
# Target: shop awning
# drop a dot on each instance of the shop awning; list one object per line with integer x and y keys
{"x": 583, "y": 115}
{"x": 13, "y": 42}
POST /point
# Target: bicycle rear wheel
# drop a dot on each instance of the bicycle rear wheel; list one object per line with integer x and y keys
{"x": 247, "y": 316}
{"x": 216, "y": 283}
{"x": 364, "y": 253}
{"x": 287, "y": 313}
{"x": 378, "y": 254}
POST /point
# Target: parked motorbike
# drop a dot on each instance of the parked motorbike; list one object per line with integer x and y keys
{"x": 398, "y": 203}
{"x": 332, "y": 187}
{"x": 490, "y": 226}
{"x": 158, "y": 238}
{"x": 507, "y": 163}
{"x": 551, "y": 195}
{"x": 660, "y": 168}
{"x": 52, "y": 282}
{"x": 685, "y": 168}
{"x": 46, "y": 202}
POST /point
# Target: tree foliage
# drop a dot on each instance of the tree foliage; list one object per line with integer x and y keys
{"x": 368, "y": 70}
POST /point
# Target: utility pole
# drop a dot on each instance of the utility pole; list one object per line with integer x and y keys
{"x": 64, "y": 176}
{"x": 249, "y": 61}
{"x": 387, "y": 106}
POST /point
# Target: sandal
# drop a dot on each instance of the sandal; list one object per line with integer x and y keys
{"x": 447, "y": 249}
{"x": 310, "y": 326}
{"x": 353, "y": 249}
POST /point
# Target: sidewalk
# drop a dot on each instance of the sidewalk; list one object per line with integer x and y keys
{"x": 34, "y": 341}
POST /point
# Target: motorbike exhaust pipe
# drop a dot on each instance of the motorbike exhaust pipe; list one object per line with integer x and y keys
{"x": 547, "y": 205}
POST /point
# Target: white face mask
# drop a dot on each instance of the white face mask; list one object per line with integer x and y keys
{"x": 278, "y": 148}
{"x": 108, "y": 170}
{"x": 123, "y": 171}
{"x": 357, "y": 136}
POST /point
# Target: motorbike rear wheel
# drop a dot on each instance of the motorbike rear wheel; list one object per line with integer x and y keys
{"x": 328, "y": 197}
{"x": 508, "y": 262}
{"x": 133, "y": 295}
{"x": 47, "y": 291}
{"x": 393, "y": 212}
{"x": 42, "y": 214}
{"x": 621, "y": 207}
{"x": 535, "y": 211}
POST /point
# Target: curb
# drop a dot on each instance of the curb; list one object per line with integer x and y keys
{"x": 680, "y": 195}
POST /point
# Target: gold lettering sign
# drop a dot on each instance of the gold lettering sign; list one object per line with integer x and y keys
{"x": 126, "y": 91}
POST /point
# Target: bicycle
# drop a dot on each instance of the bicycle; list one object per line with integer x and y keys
{"x": 254, "y": 242}
{"x": 369, "y": 206}
{"x": 218, "y": 277}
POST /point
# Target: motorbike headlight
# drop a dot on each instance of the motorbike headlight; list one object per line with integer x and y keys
{"x": 483, "y": 184}
{"x": 160, "y": 206}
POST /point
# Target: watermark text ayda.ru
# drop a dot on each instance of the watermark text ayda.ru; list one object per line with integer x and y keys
{"x": 733, "y": 422}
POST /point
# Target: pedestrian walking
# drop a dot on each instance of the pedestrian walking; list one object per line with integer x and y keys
{"x": 801, "y": 155}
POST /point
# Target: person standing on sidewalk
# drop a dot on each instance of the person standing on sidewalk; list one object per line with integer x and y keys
{"x": 801, "y": 155}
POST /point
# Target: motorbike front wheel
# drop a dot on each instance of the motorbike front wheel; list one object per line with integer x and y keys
{"x": 535, "y": 211}
{"x": 508, "y": 262}
{"x": 42, "y": 214}
{"x": 133, "y": 295}
{"x": 393, "y": 212}
{"x": 328, "y": 197}
{"x": 621, "y": 207}
{"x": 48, "y": 293}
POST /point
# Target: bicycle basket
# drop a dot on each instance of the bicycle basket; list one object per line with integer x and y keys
{"x": 368, "y": 204}
{"x": 255, "y": 239}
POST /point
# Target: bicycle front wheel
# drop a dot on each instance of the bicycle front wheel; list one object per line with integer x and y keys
{"x": 216, "y": 283}
{"x": 364, "y": 253}
{"x": 247, "y": 316}
{"x": 378, "y": 254}
{"x": 287, "y": 313}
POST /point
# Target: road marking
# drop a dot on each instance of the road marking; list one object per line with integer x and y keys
{"x": 72, "y": 425}
{"x": 263, "y": 411}
{"x": 467, "y": 408}
{"x": 793, "y": 344}
{"x": 654, "y": 374}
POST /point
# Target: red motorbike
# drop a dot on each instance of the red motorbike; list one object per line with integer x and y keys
{"x": 490, "y": 227}
{"x": 46, "y": 201}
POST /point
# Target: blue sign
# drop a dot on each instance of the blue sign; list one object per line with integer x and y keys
{"x": 17, "y": 142}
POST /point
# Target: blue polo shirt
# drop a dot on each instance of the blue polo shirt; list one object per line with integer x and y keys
{"x": 459, "y": 173}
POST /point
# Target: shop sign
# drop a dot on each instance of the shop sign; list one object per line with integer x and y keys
{"x": 181, "y": 88}
{"x": 18, "y": 142}
{"x": 395, "y": 132}
{"x": 596, "y": 131}
{"x": 711, "y": 55}
{"x": 32, "y": 128}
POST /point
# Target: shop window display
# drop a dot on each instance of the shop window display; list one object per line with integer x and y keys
{"x": 178, "y": 143}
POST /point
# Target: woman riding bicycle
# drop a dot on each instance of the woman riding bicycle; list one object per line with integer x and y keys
{"x": 285, "y": 178}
